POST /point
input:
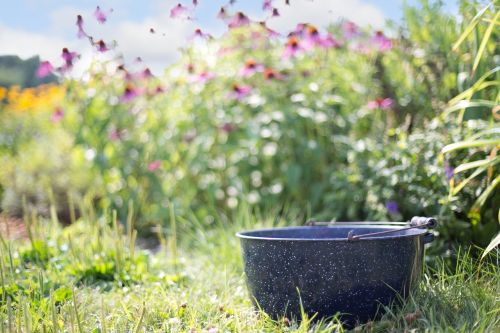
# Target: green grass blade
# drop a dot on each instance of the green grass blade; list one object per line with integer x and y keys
{"x": 470, "y": 27}
{"x": 462, "y": 184}
{"x": 482, "y": 198}
{"x": 139, "y": 323}
{"x": 484, "y": 41}
{"x": 493, "y": 244}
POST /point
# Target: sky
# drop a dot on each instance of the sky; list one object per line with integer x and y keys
{"x": 44, "y": 27}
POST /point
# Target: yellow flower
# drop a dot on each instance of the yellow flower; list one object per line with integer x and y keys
{"x": 3, "y": 93}
{"x": 32, "y": 100}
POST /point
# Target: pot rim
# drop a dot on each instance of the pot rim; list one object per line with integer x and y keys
{"x": 414, "y": 233}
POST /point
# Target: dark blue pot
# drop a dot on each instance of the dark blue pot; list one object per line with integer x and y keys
{"x": 319, "y": 268}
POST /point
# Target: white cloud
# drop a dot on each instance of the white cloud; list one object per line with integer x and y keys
{"x": 323, "y": 12}
{"x": 27, "y": 44}
{"x": 156, "y": 50}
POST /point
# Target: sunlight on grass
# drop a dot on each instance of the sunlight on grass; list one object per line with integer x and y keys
{"x": 84, "y": 278}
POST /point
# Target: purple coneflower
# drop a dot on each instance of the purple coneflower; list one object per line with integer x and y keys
{"x": 44, "y": 69}
{"x": 179, "y": 11}
{"x": 250, "y": 68}
{"x": 381, "y": 103}
{"x": 57, "y": 115}
{"x": 79, "y": 23}
{"x": 101, "y": 46}
{"x": 350, "y": 29}
{"x": 239, "y": 91}
{"x": 200, "y": 34}
{"x": 100, "y": 15}
{"x": 381, "y": 42}
{"x": 239, "y": 20}
{"x": 292, "y": 47}
{"x": 155, "y": 165}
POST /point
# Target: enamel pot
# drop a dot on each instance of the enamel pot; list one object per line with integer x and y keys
{"x": 350, "y": 268}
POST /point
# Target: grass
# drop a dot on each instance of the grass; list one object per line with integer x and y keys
{"x": 90, "y": 277}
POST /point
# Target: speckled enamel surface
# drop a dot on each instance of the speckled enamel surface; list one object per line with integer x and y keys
{"x": 329, "y": 274}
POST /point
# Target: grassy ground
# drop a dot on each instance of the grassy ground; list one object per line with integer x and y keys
{"x": 90, "y": 277}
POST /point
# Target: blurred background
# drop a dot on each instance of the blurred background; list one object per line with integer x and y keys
{"x": 332, "y": 110}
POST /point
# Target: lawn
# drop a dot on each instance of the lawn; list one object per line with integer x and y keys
{"x": 94, "y": 277}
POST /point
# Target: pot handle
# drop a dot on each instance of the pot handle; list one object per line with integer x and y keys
{"x": 421, "y": 221}
{"x": 429, "y": 222}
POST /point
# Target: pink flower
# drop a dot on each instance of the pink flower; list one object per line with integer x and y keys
{"x": 381, "y": 42}
{"x": 229, "y": 127}
{"x": 145, "y": 74}
{"x": 101, "y": 46}
{"x": 155, "y": 165}
{"x": 267, "y": 5}
{"x": 362, "y": 48}
{"x": 158, "y": 90}
{"x": 68, "y": 58}
{"x": 328, "y": 42}
{"x": 79, "y": 23}
{"x": 299, "y": 30}
{"x": 270, "y": 32}
{"x": 44, "y": 69}
{"x": 250, "y": 68}
{"x": 203, "y": 77}
{"x": 57, "y": 115}
{"x": 179, "y": 11}
{"x": 310, "y": 34}
{"x": 239, "y": 19}
{"x": 292, "y": 47}
{"x": 350, "y": 29}
{"x": 130, "y": 93}
{"x": 222, "y": 13}
{"x": 117, "y": 134}
{"x": 100, "y": 15}
{"x": 200, "y": 34}
{"x": 239, "y": 92}
{"x": 381, "y": 103}
{"x": 271, "y": 74}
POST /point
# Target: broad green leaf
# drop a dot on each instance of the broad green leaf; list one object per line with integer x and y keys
{"x": 476, "y": 164}
{"x": 469, "y": 144}
{"x": 494, "y": 243}
{"x": 482, "y": 47}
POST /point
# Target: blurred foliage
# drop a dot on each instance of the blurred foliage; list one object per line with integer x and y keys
{"x": 476, "y": 111}
{"x": 15, "y": 71}
{"x": 343, "y": 124}
{"x": 37, "y": 154}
